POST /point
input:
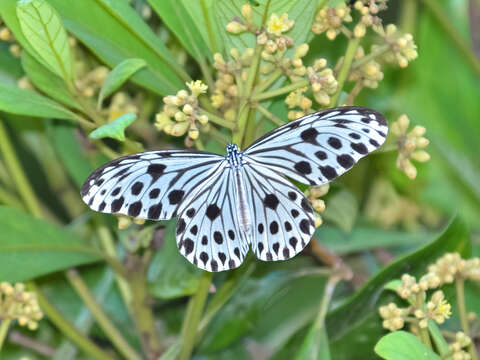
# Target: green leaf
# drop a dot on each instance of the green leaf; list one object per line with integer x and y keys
{"x": 114, "y": 130}
{"x": 22, "y": 102}
{"x": 362, "y": 237}
{"x": 10, "y": 68}
{"x": 67, "y": 146}
{"x": 170, "y": 275}
{"x": 30, "y": 247}
{"x": 115, "y": 32}
{"x": 43, "y": 28}
{"x": 119, "y": 75}
{"x": 302, "y": 11}
{"x": 393, "y": 285}
{"x": 48, "y": 82}
{"x": 315, "y": 346}
{"x": 174, "y": 14}
{"x": 342, "y": 210}
{"x": 401, "y": 345}
{"x": 354, "y": 326}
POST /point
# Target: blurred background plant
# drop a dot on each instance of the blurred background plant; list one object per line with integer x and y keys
{"x": 87, "y": 81}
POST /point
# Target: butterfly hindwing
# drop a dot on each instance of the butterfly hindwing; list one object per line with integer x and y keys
{"x": 208, "y": 233}
{"x": 283, "y": 219}
{"x": 317, "y": 148}
{"x": 148, "y": 185}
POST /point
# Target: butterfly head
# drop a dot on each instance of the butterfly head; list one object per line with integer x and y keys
{"x": 234, "y": 155}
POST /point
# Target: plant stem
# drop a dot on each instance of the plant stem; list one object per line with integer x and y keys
{"x": 465, "y": 49}
{"x": 280, "y": 91}
{"x": 193, "y": 316}
{"x": 24, "y": 187}
{"x": 142, "y": 312}
{"x": 345, "y": 69}
{"x": 269, "y": 115}
{"x": 424, "y": 335}
{"x": 265, "y": 84}
{"x": 65, "y": 328}
{"x": 373, "y": 55}
{"x": 460, "y": 289}
{"x": 218, "y": 120}
{"x": 4, "y": 325}
{"x": 103, "y": 321}
{"x": 109, "y": 247}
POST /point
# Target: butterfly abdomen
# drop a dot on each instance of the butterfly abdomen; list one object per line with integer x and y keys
{"x": 243, "y": 212}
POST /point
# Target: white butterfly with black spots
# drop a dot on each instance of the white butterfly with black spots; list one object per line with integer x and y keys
{"x": 226, "y": 204}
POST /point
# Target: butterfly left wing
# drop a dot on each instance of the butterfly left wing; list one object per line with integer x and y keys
{"x": 149, "y": 185}
{"x": 282, "y": 218}
{"x": 208, "y": 231}
{"x": 317, "y": 148}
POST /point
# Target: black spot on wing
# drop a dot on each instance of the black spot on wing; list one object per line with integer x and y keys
{"x": 345, "y": 160}
{"x": 328, "y": 171}
{"x": 303, "y": 167}
{"x": 117, "y": 204}
{"x": 213, "y": 211}
{"x": 271, "y": 201}
{"x": 155, "y": 171}
{"x": 309, "y": 135}
{"x": 360, "y": 148}
{"x": 175, "y": 196}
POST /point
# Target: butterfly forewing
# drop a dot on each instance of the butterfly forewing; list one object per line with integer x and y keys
{"x": 149, "y": 185}
{"x": 208, "y": 232}
{"x": 319, "y": 147}
{"x": 283, "y": 220}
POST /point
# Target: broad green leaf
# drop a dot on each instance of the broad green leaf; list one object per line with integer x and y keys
{"x": 22, "y": 102}
{"x": 114, "y": 130}
{"x": 342, "y": 210}
{"x": 302, "y": 11}
{"x": 8, "y": 12}
{"x": 48, "y": 82}
{"x": 43, "y": 28}
{"x": 174, "y": 14}
{"x": 354, "y": 326}
{"x": 119, "y": 75}
{"x": 115, "y": 32}
{"x": 362, "y": 237}
{"x": 170, "y": 275}
{"x": 401, "y": 345}
{"x": 393, "y": 285}
{"x": 30, "y": 247}
{"x": 315, "y": 346}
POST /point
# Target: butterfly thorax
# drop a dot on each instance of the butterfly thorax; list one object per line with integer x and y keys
{"x": 234, "y": 156}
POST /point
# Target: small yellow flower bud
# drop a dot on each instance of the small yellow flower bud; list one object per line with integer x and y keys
{"x": 301, "y": 50}
{"x": 5, "y": 34}
{"x": 305, "y": 103}
{"x": 359, "y": 31}
{"x": 193, "y": 133}
{"x": 235, "y": 53}
{"x": 410, "y": 170}
{"x": 421, "y": 156}
{"x": 318, "y": 205}
{"x": 180, "y": 116}
{"x": 139, "y": 221}
{"x": 262, "y": 38}
{"x": 203, "y": 119}
{"x": 187, "y": 109}
{"x": 417, "y": 131}
{"x": 236, "y": 27}
{"x": 318, "y": 221}
{"x": 322, "y": 97}
{"x": 124, "y": 222}
{"x": 179, "y": 128}
{"x": 247, "y": 13}
{"x": 331, "y": 34}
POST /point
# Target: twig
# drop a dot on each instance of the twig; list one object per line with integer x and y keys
{"x": 345, "y": 69}
{"x": 16, "y": 337}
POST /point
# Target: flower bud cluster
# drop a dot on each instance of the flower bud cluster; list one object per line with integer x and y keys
{"x": 462, "y": 341}
{"x": 393, "y": 316}
{"x": 330, "y": 20}
{"x": 409, "y": 145}
{"x": 18, "y": 304}
{"x": 272, "y": 36}
{"x": 437, "y": 309}
{"x": 402, "y": 48}
{"x": 368, "y": 10}
{"x": 368, "y": 74}
{"x": 451, "y": 266}
{"x": 120, "y": 104}
{"x": 313, "y": 195}
{"x": 275, "y": 58}
{"x": 322, "y": 81}
{"x": 181, "y": 112}
{"x": 91, "y": 82}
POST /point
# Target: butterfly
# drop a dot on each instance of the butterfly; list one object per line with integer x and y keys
{"x": 227, "y": 204}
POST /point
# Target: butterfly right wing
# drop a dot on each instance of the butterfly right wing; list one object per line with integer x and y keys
{"x": 149, "y": 185}
{"x": 208, "y": 230}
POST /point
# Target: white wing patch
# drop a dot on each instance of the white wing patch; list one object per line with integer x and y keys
{"x": 208, "y": 233}
{"x": 149, "y": 185}
{"x": 318, "y": 148}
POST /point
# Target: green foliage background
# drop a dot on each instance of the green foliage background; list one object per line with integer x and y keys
{"x": 260, "y": 308}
